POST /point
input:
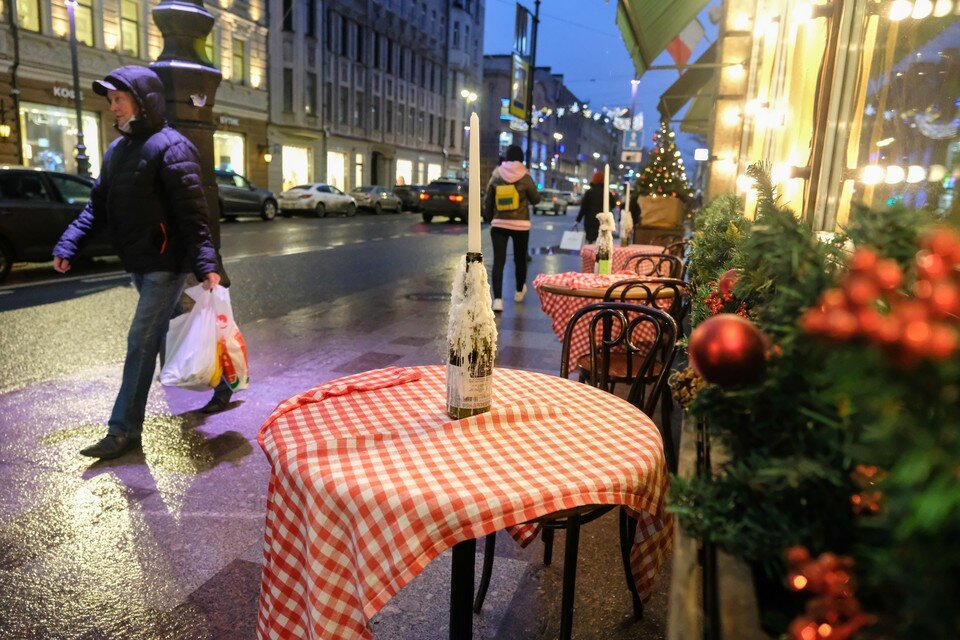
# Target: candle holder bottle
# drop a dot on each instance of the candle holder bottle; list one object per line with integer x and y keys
{"x": 472, "y": 342}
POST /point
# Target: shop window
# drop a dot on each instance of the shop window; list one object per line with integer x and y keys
{"x": 239, "y": 72}
{"x": 288, "y": 90}
{"x": 229, "y": 151}
{"x": 336, "y": 169}
{"x": 130, "y": 27}
{"x": 357, "y": 170}
{"x": 28, "y": 14}
{"x": 50, "y": 137}
{"x": 287, "y": 19}
{"x": 904, "y": 144}
{"x": 433, "y": 172}
{"x": 404, "y": 172}
{"x": 297, "y": 168}
{"x": 310, "y": 104}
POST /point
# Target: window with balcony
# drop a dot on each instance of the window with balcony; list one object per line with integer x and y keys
{"x": 28, "y": 14}
{"x": 130, "y": 27}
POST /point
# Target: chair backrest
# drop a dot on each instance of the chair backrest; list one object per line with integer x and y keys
{"x": 669, "y": 294}
{"x": 678, "y": 249}
{"x": 661, "y": 265}
{"x": 647, "y": 336}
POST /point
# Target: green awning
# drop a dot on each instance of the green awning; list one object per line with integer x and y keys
{"x": 697, "y": 118}
{"x": 689, "y": 86}
{"x": 648, "y": 26}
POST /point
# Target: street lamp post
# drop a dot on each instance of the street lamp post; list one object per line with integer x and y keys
{"x": 83, "y": 162}
{"x": 557, "y": 173}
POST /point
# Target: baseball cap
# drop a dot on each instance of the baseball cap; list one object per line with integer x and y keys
{"x": 100, "y": 87}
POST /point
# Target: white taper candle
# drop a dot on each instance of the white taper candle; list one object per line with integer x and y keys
{"x": 606, "y": 187}
{"x": 473, "y": 211}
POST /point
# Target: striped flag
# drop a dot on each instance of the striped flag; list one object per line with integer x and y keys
{"x": 682, "y": 46}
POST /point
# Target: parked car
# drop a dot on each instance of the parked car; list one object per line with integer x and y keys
{"x": 409, "y": 195}
{"x": 35, "y": 208}
{"x": 376, "y": 199}
{"x": 316, "y": 199}
{"x": 552, "y": 202}
{"x": 238, "y": 197}
{"x": 444, "y": 197}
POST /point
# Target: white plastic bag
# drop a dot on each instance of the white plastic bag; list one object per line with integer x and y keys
{"x": 231, "y": 348}
{"x": 572, "y": 240}
{"x": 191, "y": 357}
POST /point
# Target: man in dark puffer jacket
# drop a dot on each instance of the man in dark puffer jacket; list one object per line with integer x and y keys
{"x": 150, "y": 198}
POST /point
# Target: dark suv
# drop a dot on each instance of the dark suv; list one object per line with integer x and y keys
{"x": 35, "y": 208}
{"x": 239, "y": 198}
{"x": 445, "y": 197}
{"x": 409, "y": 195}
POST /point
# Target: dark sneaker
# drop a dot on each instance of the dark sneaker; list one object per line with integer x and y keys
{"x": 217, "y": 404}
{"x": 111, "y": 447}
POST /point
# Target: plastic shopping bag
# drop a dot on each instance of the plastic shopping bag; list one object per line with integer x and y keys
{"x": 231, "y": 348}
{"x": 191, "y": 355}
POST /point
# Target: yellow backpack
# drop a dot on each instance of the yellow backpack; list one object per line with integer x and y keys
{"x": 507, "y": 198}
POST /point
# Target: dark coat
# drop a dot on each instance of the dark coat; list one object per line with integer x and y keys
{"x": 590, "y": 206}
{"x": 149, "y": 194}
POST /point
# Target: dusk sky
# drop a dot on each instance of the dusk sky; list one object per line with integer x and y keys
{"x": 580, "y": 39}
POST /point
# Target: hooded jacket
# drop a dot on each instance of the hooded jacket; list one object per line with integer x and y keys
{"x": 511, "y": 172}
{"x": 149, "y": 195}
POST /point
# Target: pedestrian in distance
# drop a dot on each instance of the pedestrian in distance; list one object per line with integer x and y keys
{"x": 150, "y": 199}
{"x": 590, "y": 206}
{"x": 510, "y": 192}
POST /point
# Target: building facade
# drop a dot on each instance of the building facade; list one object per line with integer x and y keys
{"x": 368, "y": 92}
{"x": 36, "y": 82}
{"x": 569, "y": 142}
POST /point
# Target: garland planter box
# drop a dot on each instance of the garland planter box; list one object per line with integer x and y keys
{"x": 737, "y": 615}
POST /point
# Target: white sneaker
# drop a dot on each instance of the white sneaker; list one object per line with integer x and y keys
{"x": 498, "y": 304}
{"x": 519, "y": 295}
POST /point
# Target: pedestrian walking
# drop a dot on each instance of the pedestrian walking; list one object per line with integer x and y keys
{"x": 150, "y": 199}
{"x": 510, "y": 192}
{"x": 590, "y": 206}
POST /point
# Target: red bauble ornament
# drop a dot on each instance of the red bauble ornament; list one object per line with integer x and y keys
{"x": 728, "y": 350}
{"x": 727, "y": 281}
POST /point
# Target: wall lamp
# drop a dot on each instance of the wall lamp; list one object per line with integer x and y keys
{"x": 5, "y": 129}
{"x": 267, "y": 151}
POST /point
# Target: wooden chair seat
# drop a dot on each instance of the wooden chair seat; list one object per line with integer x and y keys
{"x": 617, "y": 368}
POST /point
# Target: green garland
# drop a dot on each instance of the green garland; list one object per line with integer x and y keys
{"x": 794, "y": 438}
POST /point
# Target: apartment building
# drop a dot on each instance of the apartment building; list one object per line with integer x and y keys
{"x": 36, "y": 82}
{"x": 368, "y": 92}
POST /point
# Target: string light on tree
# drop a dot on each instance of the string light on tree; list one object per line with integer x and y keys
{"x": 664, "y": 176}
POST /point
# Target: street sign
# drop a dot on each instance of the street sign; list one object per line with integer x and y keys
{"x": 633, "y": 140}
{"x": 631, "y": 157}
{"x": 518, "y": 87}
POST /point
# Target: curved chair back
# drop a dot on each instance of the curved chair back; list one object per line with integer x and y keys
{"x": 641, "y": 338}
{"x": 678, "y": 249}
{"x": 662, "y": 265}
{"x": 669, "y": 294}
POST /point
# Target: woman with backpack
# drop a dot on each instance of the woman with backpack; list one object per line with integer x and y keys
{"x": 509, "y": 195}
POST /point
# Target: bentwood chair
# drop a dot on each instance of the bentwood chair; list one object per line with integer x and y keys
{"x": 666, "y": 239}
{"x": 612, "y": 327}
{"x": 661, "y": 265}
{"x": 678, "y": 249}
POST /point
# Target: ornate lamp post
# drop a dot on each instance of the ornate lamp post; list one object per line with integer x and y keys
{"x": 191, "y": 82}
{"x": 83, "y": 162}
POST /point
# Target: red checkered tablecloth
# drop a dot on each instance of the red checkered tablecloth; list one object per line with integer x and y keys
{"x": 561, "y": 307}
{"x": 588, "y": 255}
{"x": 371, "y": 480}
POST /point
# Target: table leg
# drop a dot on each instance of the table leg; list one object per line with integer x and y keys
{"x": 461, "y": 590}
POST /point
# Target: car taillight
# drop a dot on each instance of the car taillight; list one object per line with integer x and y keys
{"x": 424, "y": 196}
{"x": 456, "y": 198}
{"x": 305, "y": 196}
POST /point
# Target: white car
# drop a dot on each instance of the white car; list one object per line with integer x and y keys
{"x": 316, "y": 199}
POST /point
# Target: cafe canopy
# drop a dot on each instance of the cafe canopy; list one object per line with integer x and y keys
{"x": 648, "y": 26}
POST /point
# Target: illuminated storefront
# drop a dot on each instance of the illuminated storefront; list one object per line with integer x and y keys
{"x": 229, "y": 152}
{"x": 337, "y": 169}
{"x": 297, "y": 166}
{"x": 404, "y": 172}
{"x": 49, "y": 137}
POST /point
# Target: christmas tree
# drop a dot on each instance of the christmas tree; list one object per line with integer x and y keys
{"x": 664, "y": 176}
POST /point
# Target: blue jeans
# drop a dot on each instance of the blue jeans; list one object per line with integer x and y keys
{"x": 159, "y": 294}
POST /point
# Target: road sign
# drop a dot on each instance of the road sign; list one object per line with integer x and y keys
{"x": 633, "y": 140}
{"x": 631, "y": 157}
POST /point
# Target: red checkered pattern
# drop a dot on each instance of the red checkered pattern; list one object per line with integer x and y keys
{"x": 561, "y": 307}
{"x": 371, "y": 480}
{"x": 588, "y": 255}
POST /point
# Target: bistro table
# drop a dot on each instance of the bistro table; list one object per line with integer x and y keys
{"x": 563, "y": 294}
{"x": 621, "y": 255}
{"x": 370, "y": 480}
